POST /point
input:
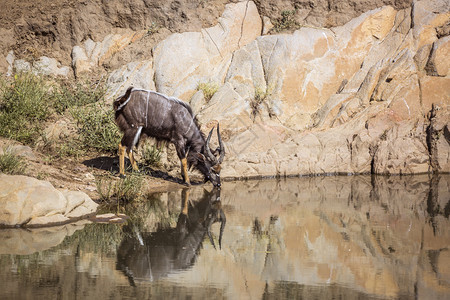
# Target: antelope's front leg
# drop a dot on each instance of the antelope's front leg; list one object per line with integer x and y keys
{"x": 184, "y": 171}
{"x": 122, "y": 160}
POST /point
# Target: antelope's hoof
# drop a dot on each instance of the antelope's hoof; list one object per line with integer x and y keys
{"x": 122, "y": 176}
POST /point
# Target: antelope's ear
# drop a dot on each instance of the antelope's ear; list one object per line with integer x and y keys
{"x": 200, "y": 157}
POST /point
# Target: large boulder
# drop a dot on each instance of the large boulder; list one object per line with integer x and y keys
{"x": 26, "y": 201}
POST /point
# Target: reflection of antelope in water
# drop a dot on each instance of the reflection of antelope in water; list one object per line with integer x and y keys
{"x": 150, "y": 256}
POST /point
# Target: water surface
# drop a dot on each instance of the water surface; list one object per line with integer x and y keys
{"x": 358, "y": 237}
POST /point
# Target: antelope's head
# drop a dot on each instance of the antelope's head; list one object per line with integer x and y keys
{"x": 209, "y": 161}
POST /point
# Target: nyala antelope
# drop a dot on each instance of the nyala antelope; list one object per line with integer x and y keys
{"x": 142, "y": 113}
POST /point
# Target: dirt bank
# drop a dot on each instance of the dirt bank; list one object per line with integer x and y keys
{"x": 35, "y": 28}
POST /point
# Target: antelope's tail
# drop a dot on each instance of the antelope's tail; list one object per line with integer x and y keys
{"x": 121, "y": 101}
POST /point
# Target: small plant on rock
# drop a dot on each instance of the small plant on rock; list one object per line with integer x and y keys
{"x": 208, "y": 89}
{"x": 286, "y": 22}
{"x": 153, "y": 28}
{"x": 261, "y": 95}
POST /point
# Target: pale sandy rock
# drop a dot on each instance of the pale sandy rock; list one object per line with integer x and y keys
{"x": 326, "y": 115}
{"x": 422, "y": 55}
{"x": 228, "y": 108}
{"x": 239, "y": 25}
{"x": 21, "y": 65}
{"x": 382, "y": 49}
{"x": 50, "y": 220}
{"x": 296, "y": 69}
{"x": 362, "y": 84}
{"x": 137, "y": 74}
{"x": 401, "y": 68}
{"x": 360, "y": 152}
{"x": 110, "y": 218}
{"x": 428, "y": 15}
{"x": 306, "y": 68}
{"x": 267, "y": 25}
{"x": 90, "y": 54}
{"x": 44, "y": 66}
{"x": 402, "y": 149}
{"x": 74, "y": 200}
{"x": 182, "y": 61}
{"x": 435, "y": 90}
{"x": 401, "y": 155}
{"x": 438, "y": 138}
{"x": 246, "y": 73}
{"x": 198, "y": 102}
{"x": 81, "y": 63}
{"x": 381, "y": 42}
{"x": 443, "y": 150}
{"x": 50, "y": 67}
{"x": 28, "y": 201}
{"x": 438, "y": 63}
{"x": 380, "y": 23}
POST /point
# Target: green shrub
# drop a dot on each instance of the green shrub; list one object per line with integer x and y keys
{"x": 151, "y": 155}
{"x": 80, "y": 93}
{"x": 12, "y": 164}
{"x": 208, "y": 88}
{"x": 28, "y": 101}
{"x": 24, "y": 106}
{"x": 96, "y": 127}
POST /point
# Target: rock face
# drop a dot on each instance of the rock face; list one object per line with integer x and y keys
{"x": 26, "y": 201}
{"x": 354, "y": 98}
{"x": 349, "y": 99}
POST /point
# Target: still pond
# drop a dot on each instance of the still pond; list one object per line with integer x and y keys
{"x": 357, "y": 237}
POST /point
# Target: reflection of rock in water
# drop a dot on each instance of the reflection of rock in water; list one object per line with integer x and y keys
{"x": 380, "y": 235}
{"x": 27, "y": 241}
{"x": 293, "y": 290}
{"x": 149, "y": 256}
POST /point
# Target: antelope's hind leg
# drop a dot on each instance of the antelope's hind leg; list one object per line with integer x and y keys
{"x": 132, "y": 160}
{"x": 122, "y": 160}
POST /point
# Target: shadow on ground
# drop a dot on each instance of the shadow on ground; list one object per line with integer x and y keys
{"x": 111, "y": 164}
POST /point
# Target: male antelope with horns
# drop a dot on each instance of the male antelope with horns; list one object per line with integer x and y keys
{"x": 141, "y": 113}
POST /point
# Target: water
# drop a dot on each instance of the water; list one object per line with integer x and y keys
{"x": 356, "y": 237}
